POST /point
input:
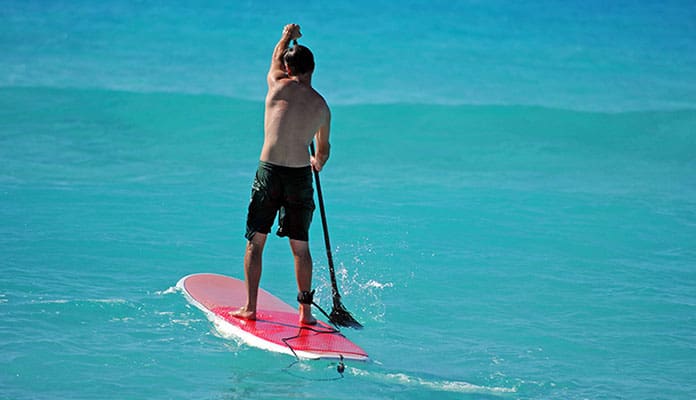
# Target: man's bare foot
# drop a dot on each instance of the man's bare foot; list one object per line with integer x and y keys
{"x": 243, "y": 313}
{"x": 306, "y": 316}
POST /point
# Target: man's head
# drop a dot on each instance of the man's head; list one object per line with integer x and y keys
{"x": 299, "y": 60}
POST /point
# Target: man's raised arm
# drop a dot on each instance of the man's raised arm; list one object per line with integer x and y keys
{"x": 277, "y": 71}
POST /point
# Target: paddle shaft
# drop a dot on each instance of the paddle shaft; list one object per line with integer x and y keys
{"x": 327, "y": 242}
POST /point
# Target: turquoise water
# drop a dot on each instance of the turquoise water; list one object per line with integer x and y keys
{"x": 513, "y": 211}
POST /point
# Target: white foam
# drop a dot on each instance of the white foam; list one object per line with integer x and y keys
{"x": 378, "y": 285}
{"x": 170, "y": 290}
{"x": 439, "y": 385}
{"x": 107, "y": 301}
{"x": 124, "y": 319}
{"x": 65, "y": 301}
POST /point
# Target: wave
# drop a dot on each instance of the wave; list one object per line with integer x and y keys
{"x": 196, "y": 128}
{"x": 75, "y": 137}
{"x": 208, "y": 99}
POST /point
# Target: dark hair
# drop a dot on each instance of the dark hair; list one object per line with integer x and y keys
{"x": 299, "y": 60}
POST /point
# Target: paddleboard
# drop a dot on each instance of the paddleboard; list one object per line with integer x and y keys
{"x": 276, "y": 327}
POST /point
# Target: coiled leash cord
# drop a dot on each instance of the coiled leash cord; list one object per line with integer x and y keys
{"x": 308, "y": 298}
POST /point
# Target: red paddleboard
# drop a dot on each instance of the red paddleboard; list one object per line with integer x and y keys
{"x": 276, "y": 327}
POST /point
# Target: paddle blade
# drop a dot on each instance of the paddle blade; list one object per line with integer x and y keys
{"x": 341, "y": 317}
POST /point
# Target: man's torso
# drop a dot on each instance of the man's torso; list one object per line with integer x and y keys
{"x": 294, "y": 112}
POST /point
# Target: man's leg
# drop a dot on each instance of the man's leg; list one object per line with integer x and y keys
{"x": 252, "y": 275}
{"x": 303, "y": 272}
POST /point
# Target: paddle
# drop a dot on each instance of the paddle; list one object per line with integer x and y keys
{"x": 339, "y": 315}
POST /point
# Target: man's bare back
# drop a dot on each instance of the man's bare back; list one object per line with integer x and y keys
{"x": 295, "y": 112}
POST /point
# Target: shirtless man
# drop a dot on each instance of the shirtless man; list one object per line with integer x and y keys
{"x": 295, "y": 115}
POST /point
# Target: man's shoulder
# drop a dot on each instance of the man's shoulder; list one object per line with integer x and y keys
{"x": 316, "y": 96}
{"x": 319, "y": 98}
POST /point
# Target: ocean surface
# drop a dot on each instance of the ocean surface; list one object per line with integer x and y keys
{"x": 511, "y": 197}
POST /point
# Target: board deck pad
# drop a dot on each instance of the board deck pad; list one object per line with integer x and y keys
{"x": 276, "y": 327}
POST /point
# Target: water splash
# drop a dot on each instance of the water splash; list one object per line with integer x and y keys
{"x": 362, "y": 296}
{"x": 378, "y": 285}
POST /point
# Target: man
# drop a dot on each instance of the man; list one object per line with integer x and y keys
{"x": 295, "y": 115}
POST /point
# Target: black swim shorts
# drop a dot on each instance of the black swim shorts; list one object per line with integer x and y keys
{"x": 286, "y": 190}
